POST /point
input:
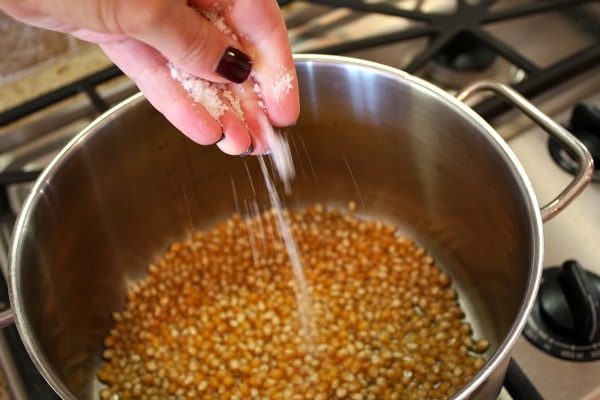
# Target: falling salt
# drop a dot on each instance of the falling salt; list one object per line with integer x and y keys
{"x": 251, "y": 235}
{"x": 216, "y": 99}
{"x": 303, "y": 299}
{"x": 280, "y": 152}
{"x": 257, "y": 91}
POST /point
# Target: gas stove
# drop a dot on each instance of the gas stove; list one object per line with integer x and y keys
{"x": 549, "y": 50}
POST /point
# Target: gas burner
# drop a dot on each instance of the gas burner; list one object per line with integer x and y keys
{"x": 465, "y": 59}
{"x": 585, "y": 125}
{"x": 466, "y": 52}
{"x": 565, "y": 320}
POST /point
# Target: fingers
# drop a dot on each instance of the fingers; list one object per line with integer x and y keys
{"x": 150, "y": 71}
{"x": 252, "y": 113}
{"x": 205, "y": 122}
{"x": 221, "y": 41}
{"x": 237, "y": 140}
{"x": 188, "y": 39}
{"x": 262, "y": 33}
{"x": 260, "y": 28}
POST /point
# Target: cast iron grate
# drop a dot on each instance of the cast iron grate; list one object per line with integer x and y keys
{"x": 87, "y": 85}
{"x": 469, "y": 20}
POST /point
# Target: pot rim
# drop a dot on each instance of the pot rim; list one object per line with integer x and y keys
{"x": 499, "y": 358}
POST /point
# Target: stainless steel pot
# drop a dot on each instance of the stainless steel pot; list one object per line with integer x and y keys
{"x": 407, "y": 152}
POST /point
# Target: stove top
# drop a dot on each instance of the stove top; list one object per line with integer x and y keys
{"x": 549, "y": 50}
{"x": 574, "y": 234}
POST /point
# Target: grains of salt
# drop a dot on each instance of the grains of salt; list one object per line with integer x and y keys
{"x": 280, "y": 152}
{"x": 235, "y": 103}
{"x": 218, "y": 21}
{"x": 202, "y": 91}
{"x": 258, "y": 92}
{"x": 282, "y": 85}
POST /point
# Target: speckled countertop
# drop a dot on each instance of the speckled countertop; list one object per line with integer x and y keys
{"x": 34, "y": 61}
{"x": 59, "y": 72}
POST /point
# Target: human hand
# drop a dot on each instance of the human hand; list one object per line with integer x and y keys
{"x": 142, "y": 36}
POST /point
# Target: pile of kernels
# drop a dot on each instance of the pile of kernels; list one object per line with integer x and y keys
{"x": 216, "y": 318}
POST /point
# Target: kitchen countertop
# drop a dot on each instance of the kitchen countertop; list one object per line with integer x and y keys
{"x": 35, "y": 61}
{"x": 64, "y": 70}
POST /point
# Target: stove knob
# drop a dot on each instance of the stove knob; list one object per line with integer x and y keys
{"x": 570, "y": 303}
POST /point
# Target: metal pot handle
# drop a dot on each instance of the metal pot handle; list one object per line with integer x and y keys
{"x": 6, "y": 318}
{"x": 581, "y": 153}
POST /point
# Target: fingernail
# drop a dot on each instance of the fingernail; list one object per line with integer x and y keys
{"x": 234, "y": 65}
{"x": 248, "y": 152}
{"x": 221, "y": 138}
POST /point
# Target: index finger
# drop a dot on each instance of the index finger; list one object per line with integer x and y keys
{"x": 181, "y": 34}
{"x": 261, "y": 30}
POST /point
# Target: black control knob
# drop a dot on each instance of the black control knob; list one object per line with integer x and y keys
{"x": 565, "y": 320}
{"x": 570, "y": 303}
{"x": 585, "y": 125}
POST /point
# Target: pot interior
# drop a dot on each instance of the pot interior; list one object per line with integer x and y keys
{"x": 132, "y": 184}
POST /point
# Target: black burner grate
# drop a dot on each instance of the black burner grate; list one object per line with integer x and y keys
{"x": 87, "y": 85}
{"x": 470, "y": 20}
{"x": 440, "y": 28}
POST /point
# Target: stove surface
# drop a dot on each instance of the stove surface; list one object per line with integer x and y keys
{"x": 573, "y": 234}
{"x": 542, "y": 40}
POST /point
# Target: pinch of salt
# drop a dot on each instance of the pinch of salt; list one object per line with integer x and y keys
{"x": 258, "y": 92}
{"x": 218, "y": 22}
{"x": 235, "y": 103}
{"x": 282, "y": 86}
{"x": 207, "y": 94}
{"x": 202, "y": 91}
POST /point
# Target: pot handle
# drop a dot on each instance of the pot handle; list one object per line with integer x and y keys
{"x": 577, "y": 149}
{"x": 6, "y": 318}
